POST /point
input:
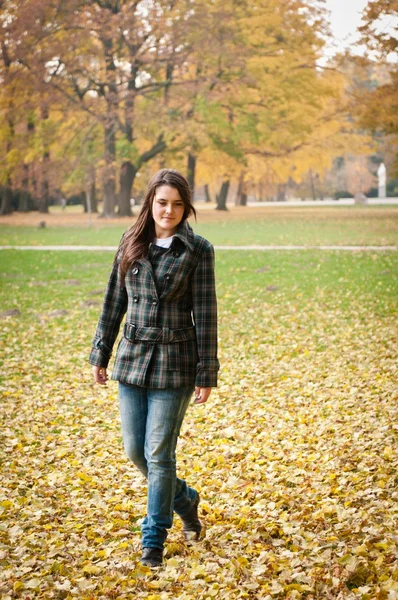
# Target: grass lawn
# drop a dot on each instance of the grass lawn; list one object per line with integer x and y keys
{"x": 295, "y": 455}
{"x": 240, "y": 225}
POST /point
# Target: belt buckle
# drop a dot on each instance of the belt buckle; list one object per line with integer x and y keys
{"x": 129, "y": 331}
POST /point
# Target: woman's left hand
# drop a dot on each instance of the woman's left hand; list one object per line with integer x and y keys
{"x": 202, "y": 394}
{"x": 100, "y": 375}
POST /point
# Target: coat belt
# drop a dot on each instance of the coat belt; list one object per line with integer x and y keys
{"x": 158, "y": 335}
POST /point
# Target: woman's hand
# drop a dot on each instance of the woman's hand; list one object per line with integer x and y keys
{"x": 100, "y": 375}
{"x": 202, "y": 395}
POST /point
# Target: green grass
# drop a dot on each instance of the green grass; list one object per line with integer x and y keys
{"x": 331, "y": 278}
{"x": 49, "y": 280}
{"x": 303, "y": 230}
{"x": 284, "y": 226}
{"x": 75, "y": 236}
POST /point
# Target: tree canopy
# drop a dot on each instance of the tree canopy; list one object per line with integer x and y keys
{"x": 96, "y": 92}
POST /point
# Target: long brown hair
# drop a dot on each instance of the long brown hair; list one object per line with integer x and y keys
{"x": 136, "y": 240}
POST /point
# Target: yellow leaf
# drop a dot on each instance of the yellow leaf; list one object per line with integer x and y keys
{"x": 62, "y": 452}
{"x": 382, "y": 545}
{"x": 83, "y": 476}
{"x": 91, "y": 569}
{"x": 33, "y": 583}
{"x": 360, "y": 550}
{"x": 388, "y": 452}
{"x": 242, "y": 560}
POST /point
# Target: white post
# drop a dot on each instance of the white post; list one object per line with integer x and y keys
{"x": 381, "y": 173}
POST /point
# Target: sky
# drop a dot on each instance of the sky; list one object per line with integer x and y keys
{"x": 345, "y": 17}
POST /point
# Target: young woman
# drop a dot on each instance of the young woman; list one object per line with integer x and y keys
{"x": 163, "y": 278}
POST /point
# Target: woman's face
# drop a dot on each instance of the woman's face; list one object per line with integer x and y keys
{"x": 167, "y": 211}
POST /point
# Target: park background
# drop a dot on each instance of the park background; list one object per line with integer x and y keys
{"x": 295, "y": 455}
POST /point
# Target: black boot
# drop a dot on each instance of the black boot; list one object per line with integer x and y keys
{"x": 152, "y": 557}
{"x": 191, "y": 525}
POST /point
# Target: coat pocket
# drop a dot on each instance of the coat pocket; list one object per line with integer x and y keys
{"x": 183, "y": 357}
{"x": 132, "y": 354}
{"x": 174, "y": 357}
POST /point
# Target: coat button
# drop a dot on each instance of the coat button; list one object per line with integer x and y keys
{"x": 135, "y": 271}
{"x": 135, "y": 298}
{"x": 154, "y": 301}
{"x": 176, "y": 254}
{"x": 167, "y": 276}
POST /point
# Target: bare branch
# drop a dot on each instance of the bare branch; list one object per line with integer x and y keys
{"x": 158, "y": 147}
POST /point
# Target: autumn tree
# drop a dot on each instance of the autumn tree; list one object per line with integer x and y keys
{"x": 29, "y": 109}
{"x": 274, "y": 107}
{"x": 358, "y": 175}
{"x": 115, "y": 62}
{"x": 227, "y": 90}
{"x": 378, "y": 107}
{"x": 7, "y": 128}
{"x": 9, "y": 112}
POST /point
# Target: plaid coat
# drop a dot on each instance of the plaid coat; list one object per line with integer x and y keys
{"x": 170, "y": 334}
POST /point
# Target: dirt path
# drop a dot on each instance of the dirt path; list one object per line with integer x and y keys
{"x": 74, "y": 218}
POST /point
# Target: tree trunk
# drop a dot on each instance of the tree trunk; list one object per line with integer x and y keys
{"x": 313, "y": 192}
{"x": 127, "y": 176}
{"x": 94, "y": 203}
{"x": 241, "y": 196}
{"x": 110, "y": 128}
{"x": 92, "y": 190}
{"x": 6, "y": 199}
{"x": 281, "y": 192}
{"x": 108, "y": 209}
{"x": 23, "y": 202}
{"x": 207, "y": 193}
{"x": 261, "y": 192}
{"x": 6, "y": 193}
{"x": 191, "y": 172}
{"x": 128, "y": 171}
{"x": 45, "y": 187}
{"x": 27, "y": 197}
{"x": 221, "y": 197}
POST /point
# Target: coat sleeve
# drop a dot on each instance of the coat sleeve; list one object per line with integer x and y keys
{"x": 205, "y": 317}
{"x": 113, "y": 311}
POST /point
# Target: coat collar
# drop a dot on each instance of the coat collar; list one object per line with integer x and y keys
{"x": 185, "y": 234}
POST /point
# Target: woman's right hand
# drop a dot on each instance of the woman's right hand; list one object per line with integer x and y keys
{"x": 100, "y": 375}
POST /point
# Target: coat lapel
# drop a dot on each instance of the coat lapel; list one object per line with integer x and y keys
{"x": 145, "y": 265}
{"x": 179, "y": 269}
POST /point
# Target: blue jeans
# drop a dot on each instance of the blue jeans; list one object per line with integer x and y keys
{"x": 151, "y": 421}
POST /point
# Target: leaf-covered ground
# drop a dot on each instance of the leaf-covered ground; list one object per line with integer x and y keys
{"x": 295, "y": 455}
